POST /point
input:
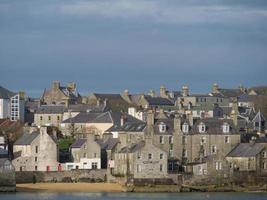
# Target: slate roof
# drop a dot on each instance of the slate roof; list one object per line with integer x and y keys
{"x": 213, "y": 126}
{"x": 169, "y": 126}
{"x": 86, "y": 108}
{"x": 259, "y": 118}
{"x": 78, "y": 143}
{"x": 133, "y": 148}
{"x": 104, "y": 96}
{"x": 5, "y": 93}
{"x": 51, "y": 109}
{"x": 245, "y": 98}
{"x": 158, "y": 101}
{"x": 231, "y": 92}
{"x": 27, "y": 138}
{"x": 106, "y": 117}
{"x": 3, "y": 153}
{"x": 129, "y": 127}
{"x": 109, "y": 144}
{"x": 247, "y": 150}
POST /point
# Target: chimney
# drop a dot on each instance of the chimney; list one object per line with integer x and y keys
{"x": 190, "y": 118}
{"x": 234, "y": 113}
{"x": 152, "y": 93}
{"x": 185, "y": 91}
{"x": 122, "y": 119}
{"x": 72, "y": 86}
{"x": 162, "y": 91}
{"x": 105, "y": 102}
{"x": 98, "y": 102}
{"x": 56, "y": 85}
{"x": 177, "y": 123}
{"x": 150, "y": 118}
{"x": 215, "y": 88}
{"x": 22, "y": 95}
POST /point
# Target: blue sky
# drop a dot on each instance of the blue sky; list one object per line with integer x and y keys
{"x": 111, "y": 45}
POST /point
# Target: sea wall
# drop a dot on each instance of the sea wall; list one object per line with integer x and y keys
{"x": 7, "y": 181}
{"x": 64, "y": 176}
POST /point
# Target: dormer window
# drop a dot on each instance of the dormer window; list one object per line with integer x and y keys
{"x": 185, "y": 128}
{"x": 162, "y": 127}
{"x": 202, "y": 127}
{"x": 226, "y": 128}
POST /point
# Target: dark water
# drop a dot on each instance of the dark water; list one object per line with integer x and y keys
{"x": 134, "y": 196}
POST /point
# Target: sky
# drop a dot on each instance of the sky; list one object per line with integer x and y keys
{"x": 112, "y": 45}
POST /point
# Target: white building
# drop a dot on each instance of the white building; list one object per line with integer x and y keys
{"x": 12, "y": 105}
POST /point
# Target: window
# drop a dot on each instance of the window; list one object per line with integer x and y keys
{"x": 35, "y": 159}
{"x": 58, "y": 118}
{"x": 139, "y": 155}
{"x": 41, "y": 118}
{"x": 160, "y": 167}
{"x": 264, "y": 154}
{"x": 226, "y": 139}
{"x": 184, "y": 140}
{"x": 85, "y": 147}
{"x": 203, "y": 140}
{"x": 94, "y": 165}
{"x": 162, "y": 127}
{"x": 184, "y": 153}
{"x": 149, "y": 156}
{"x": 202, "y": 127}
{"x": 218, "y": 165}
{"x": 95, "y": 155}
{"x": 36, "y": 149}
{"x": 49, "y": 117}
{"x": 161, "y": 156}
{"x": 161, "y": 139}
{"x": 170, "y": 140}
{"x": 213, "y": 149}
{"x": 264, "y": 165}
{"x": 35, "y": 168}
{"x": 185, "y": 128}
{"x": 84, "y": 155}
{"x": 138, "y": 167}
{"x": 170, "y": 153}
{"x": 226, "y": 128}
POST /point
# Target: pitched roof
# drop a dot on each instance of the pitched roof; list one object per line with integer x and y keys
{"x": 231, "y": 92}
{"x": 160, "y": 101}
{"x": 109, "y": 144}
{"x": 259, "y": 118}
{"x": 213, "y": 126}
{"x": 247, "y": 150}
{"x": 104, "y": 96}
{"x": 51, "y": 109}
{"x": 78, "y": 143}
{"x": 169, "y": 126}
{"x": 129, "y": 127}
{"x": 86, "y": 108}
{"x": 133, "y": 148}
{"x": 27, "y": 138}
{"x": 5, "y": 93}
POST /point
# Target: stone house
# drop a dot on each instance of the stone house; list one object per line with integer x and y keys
{"x": 142, "y": 160}
{"x": 61, "y": 95}
{"x": 36, "y": 151}
{"x": 249, "y": 157}
{"x": 49, "y": 115}
{"x": 7, "y": 176}
{"x": 204, "y": 140}
{"x": 85, "y": 153}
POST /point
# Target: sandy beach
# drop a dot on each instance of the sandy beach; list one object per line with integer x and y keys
{"x": 70, "y": 187}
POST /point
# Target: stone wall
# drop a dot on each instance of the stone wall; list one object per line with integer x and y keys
{"x": 65, "y": 176}
{"x": 7, "y": 181}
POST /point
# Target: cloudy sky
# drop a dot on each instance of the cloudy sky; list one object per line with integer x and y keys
{"x": 111, "y": 45}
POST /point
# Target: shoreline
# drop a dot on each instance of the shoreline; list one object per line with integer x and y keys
{"x": 69, "y": 187}
{"x": 114, "y": 187}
